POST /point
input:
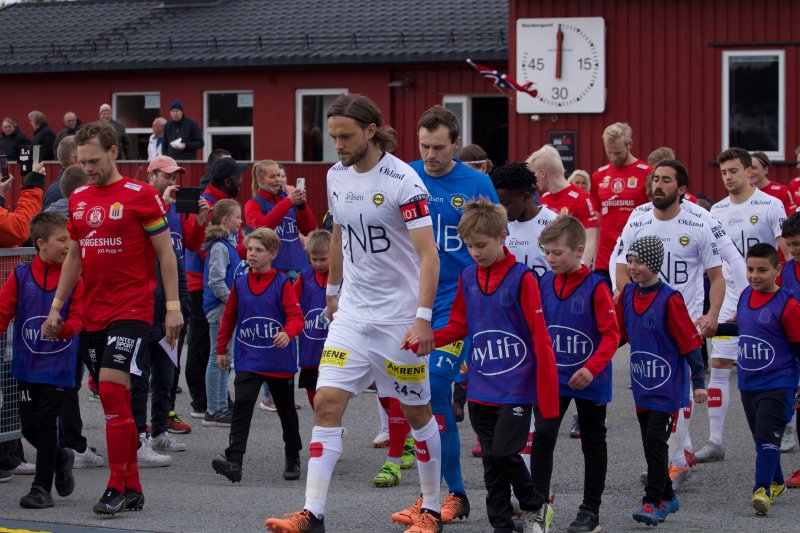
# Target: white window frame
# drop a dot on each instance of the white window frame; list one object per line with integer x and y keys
{"x": 208, "y": 131}
{"x": 466, "y": 120}
{"x": 726, "y": 56}
{"x": 146, "y": 130}
{"x": 298, "y": 115}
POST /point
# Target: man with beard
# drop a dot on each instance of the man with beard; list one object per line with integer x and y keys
{"x": 689, "y": 250}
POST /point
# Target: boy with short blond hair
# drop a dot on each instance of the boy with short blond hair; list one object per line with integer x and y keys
{"x": 580, "y": 316}
{"x": 310, "y": 289}
{"x": 43, "y": 367}
{"x": 497, "y": 304}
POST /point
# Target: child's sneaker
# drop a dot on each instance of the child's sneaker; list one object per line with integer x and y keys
{"x": 585, "y": 522}
{"x": 381, "y": 440}
{"x": 761, "y": 501}
{"x": 775, "y": 490}
{"x": 300, "y": 522}
{"x": 166, "y": 443}
{"x": 37, "y": 498}
{"x": 456, "y": 505}
{"x": 794, "y": 480}
{"x": 230, "y": 469}
{"x": 407, "y": 516}
{"x": 64, "y": 480}
{"x": 388, "y": 476}
{"x": 667, "y": 507}
{"x": 409, "y": 451}
{"x": 220, "y": 419}
{"x": 537, "y": 521}
{"x": 647, "y": 514}
{"x": 575, "y": 430}
{"x": 176, "y": 425}
{"x": 88, "y": 459}
{"x": 268, "y": 404}
{"x": 147, "y": 458}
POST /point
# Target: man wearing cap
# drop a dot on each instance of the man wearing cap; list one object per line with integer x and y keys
{"x": 224, "y": 180}
{"x": 182, "y": 137}
{"x": 126, "y": 149}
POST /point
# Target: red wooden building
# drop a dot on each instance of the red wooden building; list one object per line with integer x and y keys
{"x": 257, "y": 76}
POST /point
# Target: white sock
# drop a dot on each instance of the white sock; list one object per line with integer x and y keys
{"x": 526, "y": 452}
{"x": 325, "y": 450}
{"x": 383, "y": 415}
{"x": 718, "y": 399}
{"x": 792, "y": 424}
{"x": 679, "y": 440}
{"x": 429, "y": 463}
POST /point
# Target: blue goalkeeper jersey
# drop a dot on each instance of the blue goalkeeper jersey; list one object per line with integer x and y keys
{"x": 447, "y": 195}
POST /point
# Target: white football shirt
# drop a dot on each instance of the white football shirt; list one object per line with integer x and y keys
{"x": 523, "y": 240}
{"x": 376, "y": 209}
{"x": 689, "y": 250}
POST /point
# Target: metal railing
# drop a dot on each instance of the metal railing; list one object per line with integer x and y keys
{"x": 9, "y": 396}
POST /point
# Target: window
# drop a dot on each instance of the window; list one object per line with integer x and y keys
{"x": 484, "y": 121}
{"x": 229, "y": 123}
{"x": 753, "y": 101}
{"x": 311, "y": 140}
{"x": 137, "y": 111}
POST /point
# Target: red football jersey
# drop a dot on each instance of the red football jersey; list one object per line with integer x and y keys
{"x": 617, "y": 191}
{"x": 112, "y": 225}
{"x": 572, "y": 201}
{"x": 782, "y": 193}
{"x": 689, "y": 197}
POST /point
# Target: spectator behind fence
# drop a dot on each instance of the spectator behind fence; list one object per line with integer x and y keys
{"x": 14, "y": 224}
{"x": 182, "y": 137}
{"x": 67, "y": 154}
{"x": 71, "y": 125}
{"x": 73, "y": 178}
{"x": 155, "y": 146}
{"x": 43, "y": 135}
{"x": 11, "y": 139}
{"x": 126, "y": 149}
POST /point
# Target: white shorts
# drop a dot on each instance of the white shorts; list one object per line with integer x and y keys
{"x": 356, "y": 354}
{"x": 726, "y": 347}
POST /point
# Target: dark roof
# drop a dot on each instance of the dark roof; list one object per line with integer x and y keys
{"x": 88, "y": 35}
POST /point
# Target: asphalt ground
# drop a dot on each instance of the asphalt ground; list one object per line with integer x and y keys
{"x": 189, "y": 496}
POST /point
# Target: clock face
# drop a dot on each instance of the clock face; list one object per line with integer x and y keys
{"x": 565, "y": 60}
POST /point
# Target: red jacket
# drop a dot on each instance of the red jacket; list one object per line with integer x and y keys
{"x": 256, "y": 219}
{"x": 46, "y": 276}
{"x": 14, "y": 228}
{"x": 530, "y": 302}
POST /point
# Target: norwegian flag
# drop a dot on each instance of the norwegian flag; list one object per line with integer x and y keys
{"x": 502, "y": 80}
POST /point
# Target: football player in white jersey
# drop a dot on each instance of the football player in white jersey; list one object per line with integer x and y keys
{"x": 383, "y": 247}
{"x": 515, "y": 186}
{"x": 749, "y": 216}
{"x": 689, "y": 251}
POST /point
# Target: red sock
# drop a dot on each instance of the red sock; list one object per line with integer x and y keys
{"x": 311, "y": 393}
{"x": 117, "y": 412}
{"x": 384, "y": 400}
{"x": 398, "y": 429}
{"x": 132, "y": 474}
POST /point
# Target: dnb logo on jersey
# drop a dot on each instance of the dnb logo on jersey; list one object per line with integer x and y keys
{"x": 257, "y": 331}
{"x": 378, "y": 198}
{"x": 315, "y": 327}
{"x": 649, "y": 371}
{"x": 754, "y": 220}
{"x": 457, "y": 201}
{"x": 572, "y": 347}
{"x": 683, "y": 240}
{"x": 496, "y": 352}
{"x": 754, "y": 353}
{"x": 36, "y": 344}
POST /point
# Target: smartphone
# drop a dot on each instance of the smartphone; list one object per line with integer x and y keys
{"x": 4, "y": 167}
{"x": 186, "y": 199}
{"x": 24, "y": 160}
{"x": 37, "y": 152}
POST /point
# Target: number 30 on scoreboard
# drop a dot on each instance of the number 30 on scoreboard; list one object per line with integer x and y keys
{"x": 565, "y": 58}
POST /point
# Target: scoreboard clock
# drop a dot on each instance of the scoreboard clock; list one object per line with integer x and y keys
{"x": 565, "y": 58}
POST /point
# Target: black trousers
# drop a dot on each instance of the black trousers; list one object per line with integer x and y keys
{"x": 656, "y": 427}
{"x": 767, "y": 413}
{"x": 247, "y": 387}
{"x": 459, "y": 394}
{"x": 39, "y": 409}
{"x": 592, "y": 419}
{"x": 503, "y": 432}
{"x": 198, "y": 352}
{"x": 157, "y": 376}
{"x": 70, "y": 421}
